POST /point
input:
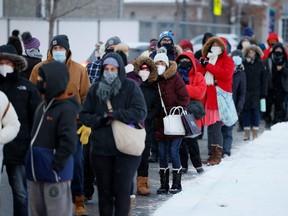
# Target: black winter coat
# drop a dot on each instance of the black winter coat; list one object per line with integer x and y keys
{"x": 239, "y": 88}
{"x": 128, "y": 106}
{"x": 256, "y": 83}
{"x": 25, "y": 99}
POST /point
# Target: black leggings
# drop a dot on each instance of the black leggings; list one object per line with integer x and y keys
{"x": 114, "y": 176}
{"x": 215, "y": 134}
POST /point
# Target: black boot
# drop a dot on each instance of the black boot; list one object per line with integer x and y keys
{"x": 176, "y": 185}
{"x": 164, "y": 180}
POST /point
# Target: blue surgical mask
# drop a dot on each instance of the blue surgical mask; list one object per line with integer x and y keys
{"x": 237, "y": 60}
{"x": 59, "y": 56}
{"x": 110, "y": 76}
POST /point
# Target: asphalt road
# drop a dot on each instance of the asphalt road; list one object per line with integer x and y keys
{"x": 144, "y": 206}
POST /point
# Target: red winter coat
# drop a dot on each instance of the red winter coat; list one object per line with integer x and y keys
{"x": 173, "y": 93}
{"x": 197, "y": 84}
{"x": 222, "y": 71}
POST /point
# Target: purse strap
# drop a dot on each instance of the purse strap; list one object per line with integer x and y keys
{"x": 162, "y": 102}
{"x": 6, "y": 110}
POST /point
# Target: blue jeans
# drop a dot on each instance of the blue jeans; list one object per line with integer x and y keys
{"x": 251, "y": 117}
{"x": 77, "y": 184}
{"x": 17, "y": 180}
{"x": 227, "y": 139}
{"x": 166, "y": 148}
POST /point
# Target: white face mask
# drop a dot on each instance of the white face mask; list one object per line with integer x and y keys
{"x": 216, "y": 50}
{"x": 5, "y": 69}
{"x": 245, "y": 44}
{"x": 161, "y": 69}
{"x": 144, "y": 74}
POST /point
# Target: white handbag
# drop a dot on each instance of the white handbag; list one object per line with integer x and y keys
{"x": 172, "y": 123}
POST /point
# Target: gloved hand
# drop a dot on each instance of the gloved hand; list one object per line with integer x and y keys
{"x": 107, "y": 118}
{"x": 203, "y": 61}
{"x": 85, "y": 133}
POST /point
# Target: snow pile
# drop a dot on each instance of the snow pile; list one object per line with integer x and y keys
{"x": 253, "y": 181}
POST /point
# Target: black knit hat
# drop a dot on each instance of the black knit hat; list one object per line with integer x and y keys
{"x": 61, "y": 40}
{"x": 9, "y": 52}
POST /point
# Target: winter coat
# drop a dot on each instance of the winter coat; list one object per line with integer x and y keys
{"x": 174, "y": 93}
{"x": 79, "y": 81}
{"x": 50, "y": 158}
{"x": 256, "y": 79}
{"x": 239, "y": 88}
{"x": 222, "y": 71}
{"x": 9, "y": 124}
{"x": 128, "y": 106}
{"x": 31, "y": 63}
{"x": 197, "y": 84}
{"x": 25, "y": 99}
{"x": 266, "y": 52}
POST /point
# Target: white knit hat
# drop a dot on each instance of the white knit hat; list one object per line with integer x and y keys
{"x": 162, "y": 57}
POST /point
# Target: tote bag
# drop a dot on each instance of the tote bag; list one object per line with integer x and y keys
{"x": 227, "y": 111}
{"x": 191, "y": 128}
{"x": 129, "y": 140}
{"x": 173, "y": 123}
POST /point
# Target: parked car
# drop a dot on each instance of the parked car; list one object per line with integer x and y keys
{"x": 135, "y": 50}
{"x": 233, "y": 39}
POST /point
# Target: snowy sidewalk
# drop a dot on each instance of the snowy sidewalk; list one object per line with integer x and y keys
{"x": 251, "y": 182}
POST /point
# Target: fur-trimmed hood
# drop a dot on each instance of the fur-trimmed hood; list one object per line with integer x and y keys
{"x": 255, "y": 48}
{"x": 9, "y": 52}
{"x": 139, "y": 61}
{"x": 192, "y": 59}
{"x": 170, "y": 71}
{"x": 210, "y": 42}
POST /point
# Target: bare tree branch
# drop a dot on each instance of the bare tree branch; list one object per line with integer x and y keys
{"x": 73, "y": 9}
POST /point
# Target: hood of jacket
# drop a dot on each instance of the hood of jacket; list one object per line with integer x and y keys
{"x": 221, "y": 41}
{"x": 56, "y": 77}
{"x": 272, "y": 36}
{"x": 189, "y": 55}
{"x": 139, "y": 61}
{"x": 257, "y": 50}
{"x": 279, "y": 45}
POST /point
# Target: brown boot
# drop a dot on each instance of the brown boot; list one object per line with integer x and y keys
{"x": 211, "y": 157}
{"x": 142, "y": 186}
{"x": 246, "y": 134}
{"x": 255, "y": 132}
{"x": 79, "y": 206}
{"x": 218, "y": 155}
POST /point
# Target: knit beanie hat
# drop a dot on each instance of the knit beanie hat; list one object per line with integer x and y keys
{"x": 162, "y": 57}
{"x": 186, "y": 44}
{"x": 111, "y": 61}
{"x": 61, "y": 40}
{"x": 29, "y": 41}
{"x": 166, "y": 34}
{"x": 237, "y": 52}
{"x": 112, "y": 41}
{"x": 14, "y": 40}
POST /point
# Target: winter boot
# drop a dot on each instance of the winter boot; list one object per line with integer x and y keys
{"x": 212, "y": 155}
{"x": 142, "y": 186}
{"x": 246, "y": 134}
{"x": 176, "y": 184}
{"x": 255, "y": 132}
{"x": 79, "y": 206}
{"x": 218, "y": 155}
{"x": 132, "y": 203}
{"x": 164, "y": 181}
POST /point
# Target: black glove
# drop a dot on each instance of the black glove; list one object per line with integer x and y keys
{"x": 203, "y": 61}
{"x": 107, "y": 118}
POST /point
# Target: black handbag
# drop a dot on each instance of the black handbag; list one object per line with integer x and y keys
{"x": 196, "y": 108}
{"x": 191, "y": 128}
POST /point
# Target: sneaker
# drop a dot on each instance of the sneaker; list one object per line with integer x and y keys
{"x": 184, "y": 170}
{"x": 86, "y": 199}
{"x": 200, "y": 170}
{"x": 225, "y": 155}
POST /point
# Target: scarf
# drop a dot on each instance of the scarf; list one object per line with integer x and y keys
{"x": 213, "y": 57}
{"x": 105, "y": 91}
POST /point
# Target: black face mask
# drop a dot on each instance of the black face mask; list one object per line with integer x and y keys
{"x": 168, "y": 46}
{"x": 40, "y": 86}
{"x": 278, "y": 57}
{"x": 185, "y": 65}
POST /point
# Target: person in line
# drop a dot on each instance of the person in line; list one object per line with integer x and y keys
{"x": 59, "y": 51}
{"x": 219, "y": 69}
{"x": 33, "y": 55}
{"x": 147, "y": 71}
{"x": 173, "y": 93}
{"x": 256, "y": 89}
{"x": 239, "y": 92}
{"x": 114, "y": 170}
{"x": 25, "y": 99}
{"x": 271, "y": 40}
{"x": 196, "y": 88}
{"x": 49, "y": 161}
{"x": 206, "y": 36}
{"x": 9, "y": 123}
{"x": 277, "y": 85}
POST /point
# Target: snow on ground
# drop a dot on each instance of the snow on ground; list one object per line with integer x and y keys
{"x": 252, "y": 182}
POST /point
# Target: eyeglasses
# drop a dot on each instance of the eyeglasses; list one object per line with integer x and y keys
{"x": 166, "y": 40}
